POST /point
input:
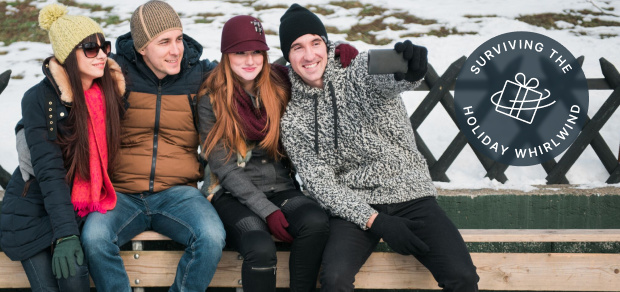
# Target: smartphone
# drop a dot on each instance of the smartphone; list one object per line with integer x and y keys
{"x": 386, "y": 61}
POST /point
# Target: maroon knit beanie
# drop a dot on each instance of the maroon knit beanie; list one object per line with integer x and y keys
{"x": 243, "y": 33}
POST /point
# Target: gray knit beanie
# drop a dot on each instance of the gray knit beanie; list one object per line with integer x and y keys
{"x": 150, "y": 20}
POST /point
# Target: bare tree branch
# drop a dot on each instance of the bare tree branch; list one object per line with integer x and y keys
{"x": 602, "y": 11}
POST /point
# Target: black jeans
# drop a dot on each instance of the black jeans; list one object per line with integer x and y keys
{"x": 448, "y": 260}
{"x": 247, "y": 233}
{"x": 39, "y": 272}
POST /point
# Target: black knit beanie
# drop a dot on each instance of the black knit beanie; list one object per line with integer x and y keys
{"x": 295, "y": 22}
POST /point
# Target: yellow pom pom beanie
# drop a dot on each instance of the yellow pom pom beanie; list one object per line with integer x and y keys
{"x": 65, "y": 31}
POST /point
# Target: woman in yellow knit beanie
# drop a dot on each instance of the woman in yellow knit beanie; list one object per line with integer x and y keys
{"x": 71, "y": 125}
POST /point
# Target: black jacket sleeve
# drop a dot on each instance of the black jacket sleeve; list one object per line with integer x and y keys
{"x": 47, "y": 162}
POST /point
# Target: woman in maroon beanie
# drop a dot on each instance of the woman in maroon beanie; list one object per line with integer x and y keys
{"x": 249, "y": 180}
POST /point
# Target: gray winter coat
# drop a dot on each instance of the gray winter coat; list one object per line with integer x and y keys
{"x": 249, "y": 181}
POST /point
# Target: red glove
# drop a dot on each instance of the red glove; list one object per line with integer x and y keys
{"x": 277, "y": 226}
{"x": 346, "y": 53}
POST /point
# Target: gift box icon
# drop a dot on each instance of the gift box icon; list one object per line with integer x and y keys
{"x": 519, "y": 99}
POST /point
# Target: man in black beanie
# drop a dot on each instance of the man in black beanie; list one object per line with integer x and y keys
{"x": 349, "y": 136}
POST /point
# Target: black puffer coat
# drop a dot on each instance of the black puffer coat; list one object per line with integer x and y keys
{"x": 30, "y": 222}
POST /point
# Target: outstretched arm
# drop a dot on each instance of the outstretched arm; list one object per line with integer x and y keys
{"x": 387, "y": 85}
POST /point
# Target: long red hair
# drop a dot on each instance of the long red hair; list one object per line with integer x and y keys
{"x": 274, "y": 96}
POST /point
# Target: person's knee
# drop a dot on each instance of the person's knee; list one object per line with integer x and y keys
{"x": 469, "y": 277}
{"x": 314, "y": 222}
{"x": 95, "y": 238}
{"x": 337, "y": 279}
{"x": 258, "y": 249}
{"x": 78, "y": 282}
{"x": 81, "y": 271}
{"x": 207, "y": 230}
{"x": 464, "y": 277}
{"x": 212, "y": 237}
{"x": 308, "y": 215}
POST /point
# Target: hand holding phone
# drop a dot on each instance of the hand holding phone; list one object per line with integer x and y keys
{"x": 417, "y": 57}
{"x": 386, "y": 61}
{"x": 406, "y": 61}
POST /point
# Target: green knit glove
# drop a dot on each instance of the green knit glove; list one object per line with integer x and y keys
{"x": 63, "y": 261}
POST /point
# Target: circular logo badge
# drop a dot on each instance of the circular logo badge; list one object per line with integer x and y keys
{"x": 521, "y": 98}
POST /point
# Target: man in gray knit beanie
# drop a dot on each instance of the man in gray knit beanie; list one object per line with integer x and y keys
{"x": 154, "y": 24}
{"x": 155, "y": 177}
{"x": 150, "y": 20}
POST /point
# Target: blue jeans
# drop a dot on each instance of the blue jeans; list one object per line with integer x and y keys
{"x": 38, "y": 269}
{"x": 181, "y": 213}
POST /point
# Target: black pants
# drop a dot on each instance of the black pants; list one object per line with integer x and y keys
{"x": 39, "y": 272}
{"x": 448, "y": 260}
{"x": 247, "y": 233}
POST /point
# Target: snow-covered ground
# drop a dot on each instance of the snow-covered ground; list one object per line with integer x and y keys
{"x": 24, "y": 58}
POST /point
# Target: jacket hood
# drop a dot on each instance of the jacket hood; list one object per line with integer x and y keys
{"x": 57, "y": 75}
{"x": 191, "y": 54}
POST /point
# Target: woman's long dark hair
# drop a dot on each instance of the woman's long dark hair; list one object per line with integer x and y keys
{"x": 74, "y": 138}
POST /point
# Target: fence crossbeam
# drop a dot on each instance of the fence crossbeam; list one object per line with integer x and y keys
{"x": 592, "y": 127}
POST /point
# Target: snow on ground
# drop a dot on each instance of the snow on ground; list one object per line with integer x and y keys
{"x": 24, "y": 58}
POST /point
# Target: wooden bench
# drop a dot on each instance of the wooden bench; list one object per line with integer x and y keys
{"x": 383, "y": 270}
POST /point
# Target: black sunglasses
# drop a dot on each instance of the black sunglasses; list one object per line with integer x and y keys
{"x": 91, "y": 49}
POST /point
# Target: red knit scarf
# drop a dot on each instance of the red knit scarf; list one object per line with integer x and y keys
{"x": 253, "y": 120}
{"x": 96, "y": 195}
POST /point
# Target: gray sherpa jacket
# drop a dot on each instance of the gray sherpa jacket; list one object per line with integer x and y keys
{"x": 352, "y": 142}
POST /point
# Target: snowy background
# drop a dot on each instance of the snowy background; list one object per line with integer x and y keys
{"x": 448, "y": 28}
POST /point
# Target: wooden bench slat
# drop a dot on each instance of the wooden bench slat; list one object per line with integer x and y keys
{"x": 541, "y": 235}
{"x": 500, "y": 235}
{"x": 497, "y": 271}
{"x": 160, "y": 266}
{"x": 12, "y": 275}
{"x": 150, "y": 236}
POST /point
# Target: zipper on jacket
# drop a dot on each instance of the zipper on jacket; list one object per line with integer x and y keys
{"x": 155, "y": 138}
{"x": 316, "y": 124}
{"x": 335, "y": 108}
{"x": 266, "y": 269}
{"x": 192, "y": 105}
{"x": 284, "y": 203}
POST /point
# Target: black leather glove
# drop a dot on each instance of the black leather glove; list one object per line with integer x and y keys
{"x": 417, "y": 56}
{"x": 398, "y": 233}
